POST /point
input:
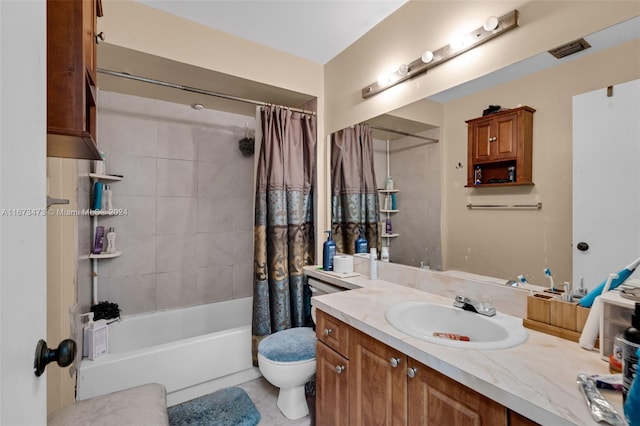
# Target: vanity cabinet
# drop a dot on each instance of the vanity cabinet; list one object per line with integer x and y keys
{"x": 332, "y": 369}
{"x": 377, "y": 382}
{"x": 498, "y": 143}
{"x": 386, "y": 387}
{"x": 71, "y": 78}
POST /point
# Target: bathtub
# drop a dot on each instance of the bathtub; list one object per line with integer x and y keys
{"x": 192, "y": 351}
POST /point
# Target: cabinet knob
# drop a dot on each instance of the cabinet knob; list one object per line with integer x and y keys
{"x": 411, "y": 372}
{"x": 394, "y": 362}
{"x": 99, "y": 37}
{"x": 582, "y": 246}
{"x": 327, "y": 331}
{"x": 339, "y": 369}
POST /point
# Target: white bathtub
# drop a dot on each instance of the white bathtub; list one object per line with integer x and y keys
{"x": 192, "y": 351}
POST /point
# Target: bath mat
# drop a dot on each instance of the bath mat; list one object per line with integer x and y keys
{"x": 226, "y": 407}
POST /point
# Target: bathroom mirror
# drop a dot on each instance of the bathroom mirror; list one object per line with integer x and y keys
{"x": 507, "y": 241}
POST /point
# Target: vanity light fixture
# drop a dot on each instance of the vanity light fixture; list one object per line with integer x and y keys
{"x": 492, "y": 27}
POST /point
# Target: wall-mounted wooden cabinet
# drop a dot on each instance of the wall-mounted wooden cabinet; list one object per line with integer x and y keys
{"x": 71, "y": 78}
{"x": 500, "y": 147}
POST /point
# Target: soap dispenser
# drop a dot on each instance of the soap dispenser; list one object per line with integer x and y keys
{"x": 95, "y": 337}
{"x": 328, "y": 251}
{"x": 362, "y": 246}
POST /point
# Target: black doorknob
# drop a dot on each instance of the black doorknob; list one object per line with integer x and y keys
{"x": 582, "y": 246}
{"x": 64, "y": 355}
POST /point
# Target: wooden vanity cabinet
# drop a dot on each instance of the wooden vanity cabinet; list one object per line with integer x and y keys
{"x": 377, "y": 382}
{"x": 71, "y": 78}
{"x": 435, "y": 399}
{"x": 383, "y": 386}
{"x": 499, "y": 141}
{"x": 332, "y": 369}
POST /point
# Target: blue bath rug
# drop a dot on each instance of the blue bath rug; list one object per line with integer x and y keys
{"x": 226, "y": 407}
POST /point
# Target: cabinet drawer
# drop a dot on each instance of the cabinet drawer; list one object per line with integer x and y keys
{"x": 332, "y": 332}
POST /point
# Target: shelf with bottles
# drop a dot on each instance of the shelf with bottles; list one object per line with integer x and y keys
{"x": 105, "y": 247}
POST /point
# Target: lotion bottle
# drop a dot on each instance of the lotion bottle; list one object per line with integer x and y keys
{"x": 111, "y": 240}
{"x": 373, "y": 265}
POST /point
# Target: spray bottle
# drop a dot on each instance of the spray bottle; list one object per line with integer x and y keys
{"x": 328, "y": 251}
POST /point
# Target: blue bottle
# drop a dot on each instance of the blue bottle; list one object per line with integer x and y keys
{"x": 328, "y": 251}
{"x": 362, "y": 246}
{"x": 97, "y": 196}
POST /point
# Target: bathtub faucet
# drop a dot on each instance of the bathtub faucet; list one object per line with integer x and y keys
{"x": 469, "y": 304}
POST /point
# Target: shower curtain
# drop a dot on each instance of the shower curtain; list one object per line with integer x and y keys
{"x": 354, "y": 196}
{"x": 284, "y": 231}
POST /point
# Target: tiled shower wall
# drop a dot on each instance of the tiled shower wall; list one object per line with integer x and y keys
{"x": 187, "y": 237}
{"x": 414, "y": 165}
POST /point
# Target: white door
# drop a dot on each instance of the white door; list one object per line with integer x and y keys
{"x": 22, "y": 227}
{"x": 606, "y": 182}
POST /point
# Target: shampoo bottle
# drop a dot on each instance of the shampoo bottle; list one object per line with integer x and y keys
{"x": 97, "y": 196}
{"x": 107, "y": 200}
{"x": 328, "y": 251}
{"x": 362, "y": 246}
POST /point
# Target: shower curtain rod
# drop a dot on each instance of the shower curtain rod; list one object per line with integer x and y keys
{"x": 399, "y": 132}
{"x": 194, "y": 89}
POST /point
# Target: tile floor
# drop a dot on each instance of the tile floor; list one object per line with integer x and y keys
{"x": 264, "y": 396}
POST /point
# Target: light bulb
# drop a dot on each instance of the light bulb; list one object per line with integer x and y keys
{"x": 456, "y": 42}
{"x": 491, "y": 23}
{"x": 403, "y": 69}
{"x": 427, "y": 57}
{"x": 383, "y": 79}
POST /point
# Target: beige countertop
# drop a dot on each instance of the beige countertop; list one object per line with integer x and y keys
{"x": 536, "y": 379}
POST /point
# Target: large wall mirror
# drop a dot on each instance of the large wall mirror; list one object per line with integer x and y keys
{"x": 434, "y": 226}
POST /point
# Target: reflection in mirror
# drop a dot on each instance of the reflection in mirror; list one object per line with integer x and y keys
{"x": 406, "y": 158}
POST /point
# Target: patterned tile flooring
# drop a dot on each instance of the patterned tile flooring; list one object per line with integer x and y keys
{"x": 264, "y": 396}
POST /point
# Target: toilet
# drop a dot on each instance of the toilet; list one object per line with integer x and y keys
{"x": 287, "y": 359}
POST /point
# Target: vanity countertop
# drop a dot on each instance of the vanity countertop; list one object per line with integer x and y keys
{"x": 536, "y": 379}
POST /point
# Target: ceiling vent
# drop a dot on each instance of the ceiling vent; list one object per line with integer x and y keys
{"x": 570, "y": 48}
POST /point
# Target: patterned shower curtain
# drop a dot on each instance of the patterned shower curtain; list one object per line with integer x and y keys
{"x": 283, "y": 232}
{"x": 354, "y": 195}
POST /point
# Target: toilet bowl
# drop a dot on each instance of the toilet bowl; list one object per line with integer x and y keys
{"x": 287, "y": 359}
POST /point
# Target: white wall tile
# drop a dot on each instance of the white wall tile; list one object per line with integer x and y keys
{"x": 176, "y": 178}
{"x": 175, "y": 141}
{"x": 176, "y": 252}
{"x": 177, "y": 215}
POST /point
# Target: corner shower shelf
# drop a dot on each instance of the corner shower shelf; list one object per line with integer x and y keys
{"x": 106, "y": 178}
{"x": 388, "y": 211}
{"x": 388, "y": 191}
{"x": 105, "y": 255}
{"x": 390, "y": 235}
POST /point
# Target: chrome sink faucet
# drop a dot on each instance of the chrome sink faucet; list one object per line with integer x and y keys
{"x": 469, "y": 304}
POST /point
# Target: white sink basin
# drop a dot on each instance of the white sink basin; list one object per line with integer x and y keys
{"x": 422, "y": 320}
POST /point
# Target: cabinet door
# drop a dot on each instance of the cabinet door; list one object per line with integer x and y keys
{"x": 332, "y": 387}
{"x": 377, "y": 382}
{"x": 505, "y": 137}
{"x": 480, "y": 135}
{"x": 435, "y": 399}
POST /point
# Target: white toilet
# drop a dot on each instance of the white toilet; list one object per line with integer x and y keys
{"x": 287, "y": 359}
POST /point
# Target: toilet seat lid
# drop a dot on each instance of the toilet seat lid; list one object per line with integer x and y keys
{"x": 291, "y": 345}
